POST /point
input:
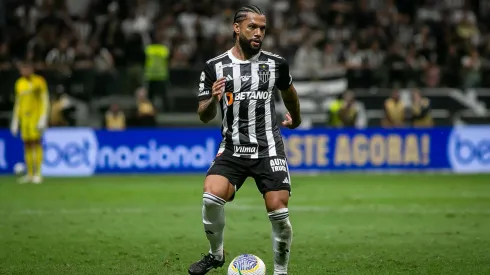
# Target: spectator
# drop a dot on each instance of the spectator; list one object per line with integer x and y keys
{"x": 103, "y": 60}
{"x": 156, "y": 69}
{"x": 135, "y": 24}
{"x": 344, "y": 112}
{"x": 420, "y": 110}
{"x": 331, "y": 60}
{"x": 452, "y": 65}
{"x": 428, "y": 12}
{"x": 464, "y": 14}
{"x": 294, "y": 37}
{"x": 432, "y": 75}
{"x": 104, "y": 63}
{"x": 403, "y": 30}
{"x": 468, "y": 32}
{"x": 471, "y": 69}
{"x": 136, "y": 32}
{"x": 396, "y": 65}
{"x": 111, "y": 35}
{"x": 187, "y": 20}
{"x": 180, "y": 59}
{"x": 28, "y": 15}
{"x": 62, "y": 57}
{"x": 5, "y": 58}
{"x": 394, "y": 110}
{"x": 354, "y": 62}
{"x": 307, "y": 13}
{"x": 374, "y": 63}
{"x": 61, "y": 110}
{"x": 363, "y": 39}
{"x": 307, "y": 61}
{"x": 365, "y": 16}
{"x": 115, "y": 118}
{"x": 424, "y": 39}
{"x": 146, "y": 110}
{"x": 39, "y": 46}
{"x": 83, "y": 56}
{"x": 53, "y": 19}
{"x": 60, "y": 60}
{"x": 84, "y": 27}
{"x": 339, "y": 32}
{"x": 416, "y": 64}
{"x": 134, "y": 62}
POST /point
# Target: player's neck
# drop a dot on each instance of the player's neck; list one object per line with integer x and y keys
{"x": 238, "y": 53}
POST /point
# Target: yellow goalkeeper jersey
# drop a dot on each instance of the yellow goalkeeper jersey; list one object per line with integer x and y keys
{"x": 31, "y": 98}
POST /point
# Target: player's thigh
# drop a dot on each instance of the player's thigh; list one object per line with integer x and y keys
{"x": 32, "y": 136}
{"x": 225, "y": 176}
{"x": 29, "y": 131}
{"x": 273, "y": 181}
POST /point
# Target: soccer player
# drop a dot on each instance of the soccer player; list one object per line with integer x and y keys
{"x": 30, "y": 114}
{"x": 242, "y": 80}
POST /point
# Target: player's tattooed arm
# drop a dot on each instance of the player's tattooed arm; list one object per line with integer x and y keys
{"x": 291, "y": 101}
{"x": 207, "y": 109}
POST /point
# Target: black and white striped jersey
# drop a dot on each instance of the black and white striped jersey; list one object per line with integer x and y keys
{"x": 249, "y": 124}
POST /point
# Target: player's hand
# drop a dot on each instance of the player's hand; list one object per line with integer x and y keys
{"x": 41, "y": 125}
{"x": 290, "y": 123}
{"x": 218, "y": 86}
{"x": 14, "y": 129}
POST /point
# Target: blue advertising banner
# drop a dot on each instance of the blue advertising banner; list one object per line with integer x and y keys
{"x": 85, "y": 152}
{"x": 373, "y": 149}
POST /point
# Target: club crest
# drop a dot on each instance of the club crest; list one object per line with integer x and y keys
{"x": 264, "y": 73}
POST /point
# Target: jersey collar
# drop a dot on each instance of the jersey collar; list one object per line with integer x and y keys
{"x": 236, "y": 60}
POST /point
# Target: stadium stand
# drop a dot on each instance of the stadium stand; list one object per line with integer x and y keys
{"x": 94, "y": 51}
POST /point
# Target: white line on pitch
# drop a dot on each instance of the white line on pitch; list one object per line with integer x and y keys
{"x": 354, "y": 209}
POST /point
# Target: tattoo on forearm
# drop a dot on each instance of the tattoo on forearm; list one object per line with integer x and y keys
{"x": 207, "y": 110}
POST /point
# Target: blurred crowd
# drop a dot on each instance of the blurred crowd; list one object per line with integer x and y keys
{"x": 378, "y": 42}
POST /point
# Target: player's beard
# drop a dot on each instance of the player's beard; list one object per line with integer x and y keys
{"x": 246, "y": 46}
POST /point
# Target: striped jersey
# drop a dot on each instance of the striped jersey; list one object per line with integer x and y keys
{"x": 249, "y": 124}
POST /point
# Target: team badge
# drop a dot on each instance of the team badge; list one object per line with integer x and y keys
{"x": 264, "y": 73}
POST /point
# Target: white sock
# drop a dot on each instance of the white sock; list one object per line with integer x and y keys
{"x": 282, "y": 236}
{"x": 213, "y": 218}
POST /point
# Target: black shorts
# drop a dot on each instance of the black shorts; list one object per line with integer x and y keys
{"x": 270, "y": 174}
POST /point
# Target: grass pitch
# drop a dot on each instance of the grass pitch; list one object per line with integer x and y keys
{"x": 343, "y": 224}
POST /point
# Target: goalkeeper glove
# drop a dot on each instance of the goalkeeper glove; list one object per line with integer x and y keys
{"x": 41, "y": 124}
{"x": 14, "y": 127}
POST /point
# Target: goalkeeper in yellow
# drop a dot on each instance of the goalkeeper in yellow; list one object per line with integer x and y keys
{"x": 30, "y": 117}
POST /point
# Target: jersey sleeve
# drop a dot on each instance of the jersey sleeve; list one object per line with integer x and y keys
{"x": 208, "y": 77}
{"x": 284, "y": 79}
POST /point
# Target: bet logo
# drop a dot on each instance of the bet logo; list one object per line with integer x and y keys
{"x": 229, "y": 98}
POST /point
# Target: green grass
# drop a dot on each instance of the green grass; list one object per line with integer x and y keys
{"x": 343, "y": 224}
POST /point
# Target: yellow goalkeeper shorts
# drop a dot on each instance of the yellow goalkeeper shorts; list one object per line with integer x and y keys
{"x": 29, "y": 130}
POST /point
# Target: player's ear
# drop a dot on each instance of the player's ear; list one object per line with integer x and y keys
{"x": 236, "y": 28}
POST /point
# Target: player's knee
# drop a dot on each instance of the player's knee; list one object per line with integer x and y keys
{"x": 276, "y": 200}
{"x": 219, "y": 186}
